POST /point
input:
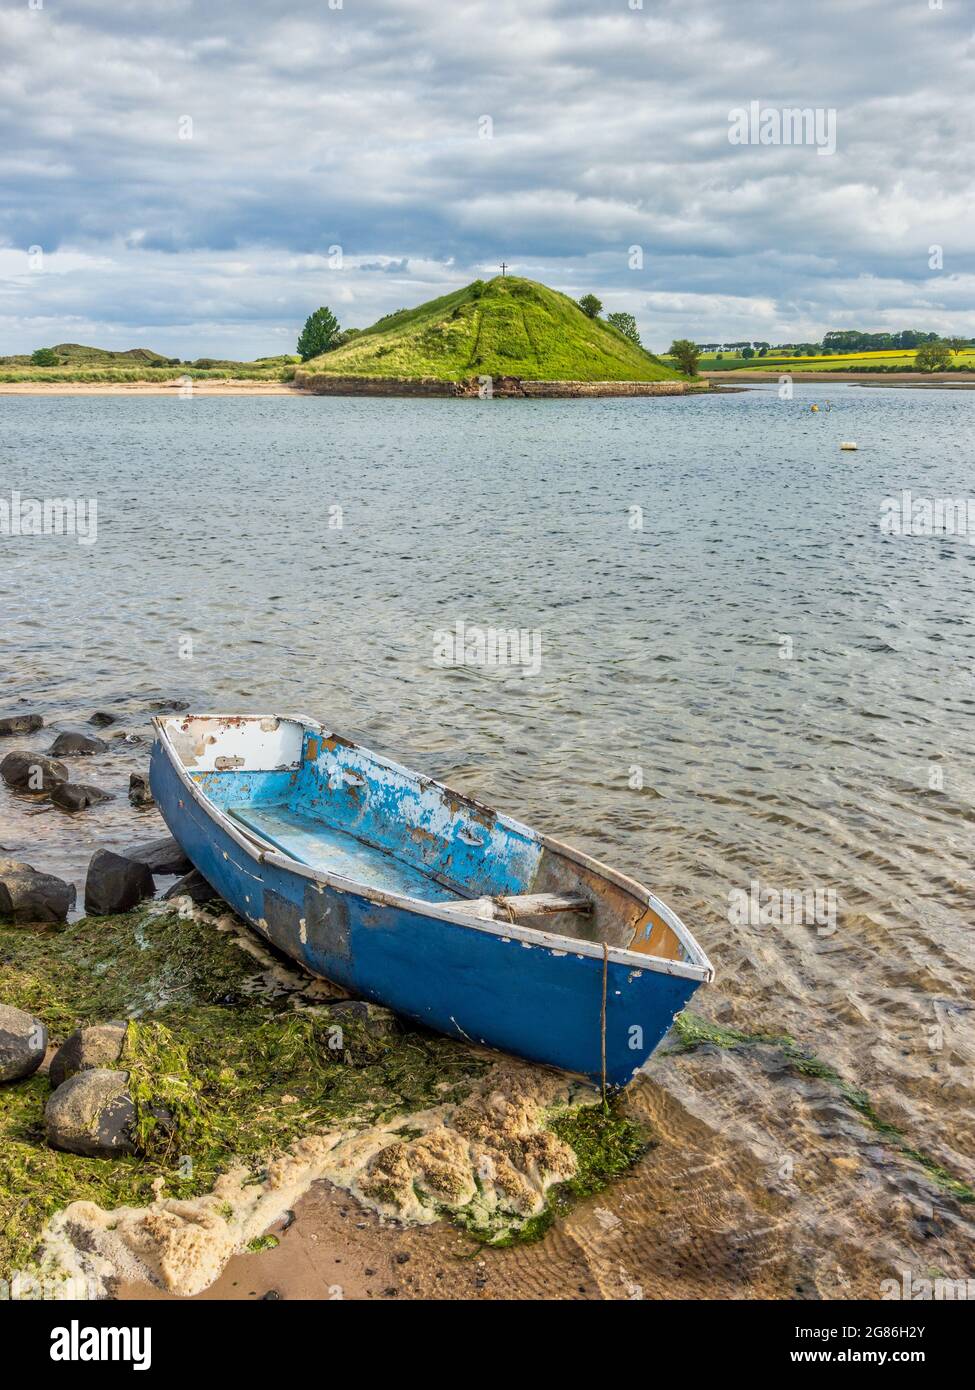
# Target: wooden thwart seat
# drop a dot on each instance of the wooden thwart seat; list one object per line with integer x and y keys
{"x": 517, "y": 906}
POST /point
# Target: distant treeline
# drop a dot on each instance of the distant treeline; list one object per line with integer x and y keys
{"x": 842, "y": 340}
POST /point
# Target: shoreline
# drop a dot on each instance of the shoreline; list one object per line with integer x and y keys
{"x": 505, "y": 388}
{"x": 229, "y": 387}
{"x": 710, "y": 383}
{"x": 963, "y": 380}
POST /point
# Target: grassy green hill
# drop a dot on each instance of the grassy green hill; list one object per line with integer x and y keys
{"x": 505, "y": 327}
{"x": 77, "y": 355}
{"x": 76, "y": 362}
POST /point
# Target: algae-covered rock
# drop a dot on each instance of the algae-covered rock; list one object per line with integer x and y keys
{"x": 92, "y": 1114}
{"x": 32, "y": 772}
{"x": 19, "y": 724}
{"x": 23, "y": 1043}
{"x": 28, "y": 895}
{"x": 96, "y": 1047}
{"x": 115, "y": 884}
{"x": 139, "y": 793}
{"x": 101, "y": 719}
{"x": 377, "y": 1021}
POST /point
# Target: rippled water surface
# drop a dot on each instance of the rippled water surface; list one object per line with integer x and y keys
{"x": 793, "y": 689}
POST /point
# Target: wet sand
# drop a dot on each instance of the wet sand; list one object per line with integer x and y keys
{"x": 334, "y": 1249}
{"x": 706, "y": 1214}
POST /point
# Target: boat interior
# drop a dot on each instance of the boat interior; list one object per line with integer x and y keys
{"x": 339, "y": 809}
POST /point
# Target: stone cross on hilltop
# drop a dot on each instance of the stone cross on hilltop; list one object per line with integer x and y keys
{"x": 504, "y": 267}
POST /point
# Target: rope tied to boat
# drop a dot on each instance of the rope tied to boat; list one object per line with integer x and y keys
{"x": 506, "y": 908}
{"x": 602, "y": 1024}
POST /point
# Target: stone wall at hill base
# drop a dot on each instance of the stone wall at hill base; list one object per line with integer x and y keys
{"x": 325, "y": 384}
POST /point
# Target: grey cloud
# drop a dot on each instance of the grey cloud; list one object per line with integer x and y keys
{"x": 358, "y": 126}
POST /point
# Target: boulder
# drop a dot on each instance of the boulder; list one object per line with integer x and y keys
{"x": 162, "y": 856}
{"x": 77, "y": 796}
{"x": 23, "y": 1043}
{"x": 27, "y": 895}
{"x": 193, "y": 886}
{"x": 32, "y": 772}
{"x": 88, "y": 1049}
{"x": 19, "y": 724}
{"x": 115, "y": 884}
{"x": 168, "y": 706}
{"x": 74, "y": 743}
{"x": 101, "y": 719}
{"x": 139, "y": 793}
{"x": 92, "y": 1114}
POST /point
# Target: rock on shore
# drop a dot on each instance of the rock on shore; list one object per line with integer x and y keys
{"x": 23, "y": 1043}
{"x": 161, "y": 856}
{"x": 139, "y": 793}
{"x": 92, "y": 1114}
{"x": 77, "y": 796}
{"x": 33, "y": 772}
{"x": 115, "y": 884}
{"x": 27, "y": 895}
{"x": 378, "y": 1022}
{"x": 19, "y": 724}
{"x": 74, "y": 743}
{"x": 97, "y": 1047}
{"x": 193, "y": 886}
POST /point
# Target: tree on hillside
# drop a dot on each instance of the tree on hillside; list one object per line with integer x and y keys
{"x": 44, "y": 357}
{"x": 626, "y": 324}
{"x": 933, "y": 357}
{"x": 591, "y": 306}
{"x": 686, "y": 355}
{"x": 318, "y": 333}
{"x": 345, "y": 336}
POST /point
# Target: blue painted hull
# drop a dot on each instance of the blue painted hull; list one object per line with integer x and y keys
{"x": 539, "y": 1001}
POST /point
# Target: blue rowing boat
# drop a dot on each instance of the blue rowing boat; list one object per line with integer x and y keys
{"x": 410, "y": 895}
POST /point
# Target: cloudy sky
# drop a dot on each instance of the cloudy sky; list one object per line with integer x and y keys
{"x": 185, "y": 166}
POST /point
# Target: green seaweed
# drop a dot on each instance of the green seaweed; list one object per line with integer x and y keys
{"x": 693, "y": 1031}
{"x": 265, "y": 1242}
{"x": 606, "y": 1144}
{"x": 224, "y": 1069}
{"x": 220, "y": 1072}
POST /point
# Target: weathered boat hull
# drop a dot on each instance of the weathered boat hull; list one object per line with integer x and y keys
{"x": 519, "y": 989}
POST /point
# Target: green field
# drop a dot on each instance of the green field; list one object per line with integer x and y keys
{"x": 901, "y": 361}
{"x": 505, "y": 327}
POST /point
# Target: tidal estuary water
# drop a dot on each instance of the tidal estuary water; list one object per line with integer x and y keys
{"x": 747, "y": 694}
